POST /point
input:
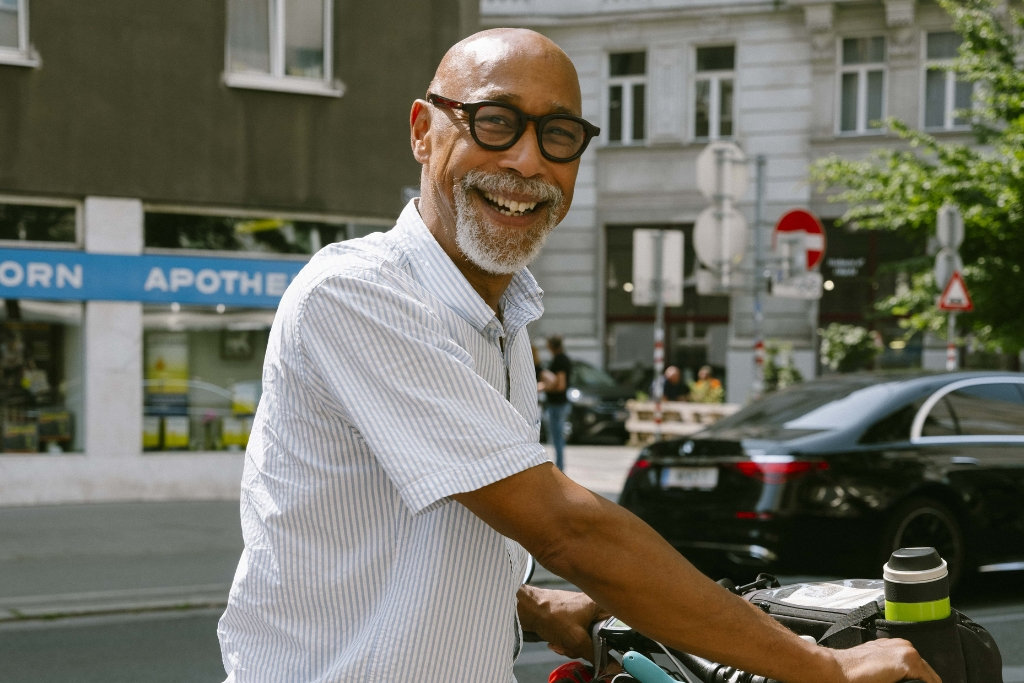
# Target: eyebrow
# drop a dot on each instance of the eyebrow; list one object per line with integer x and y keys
{"x": 509, "y": 98}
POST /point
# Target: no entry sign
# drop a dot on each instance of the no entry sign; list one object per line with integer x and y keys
{"x": 802, "y": 226}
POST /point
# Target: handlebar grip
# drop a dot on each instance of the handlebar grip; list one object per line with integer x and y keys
{"x": 713, "y": 672}
{"x": 643, "y": 669}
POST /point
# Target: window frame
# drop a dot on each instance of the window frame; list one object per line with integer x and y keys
{"x": 23, "y": 54}
{"x": 917, "y": 431}
{"x": 863, "y": 71}
{"x": 950, "y": 82}
{"x": 276, "y": 79}
{"x": 715, "y": 78}
{"x": 70, "y": 204}
{"x": 627, "y": 83}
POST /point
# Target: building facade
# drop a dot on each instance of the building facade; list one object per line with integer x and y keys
{"x": 165, "y": 168}
{"x": 785, "y": 83}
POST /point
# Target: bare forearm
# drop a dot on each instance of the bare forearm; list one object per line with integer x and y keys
{"x": 636, "y": 575}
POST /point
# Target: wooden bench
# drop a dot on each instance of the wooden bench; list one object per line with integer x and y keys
{"x": 678, "y": 418}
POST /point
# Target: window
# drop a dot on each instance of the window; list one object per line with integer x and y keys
{"x": 37, "y": 223}
{"x": 41, "y": 388}
{"x": 202, "y": 376}
{"x": 944, "y": 95}
{"x": 627, "y": 97}
{"x": 14, "y": 44}
{"x": 281, "y": 45}
{"x": 713, "y": 101}
{"x": 862, "y": 85}
{"x": 252, "y": 234}
{"x": 988, "y": 410}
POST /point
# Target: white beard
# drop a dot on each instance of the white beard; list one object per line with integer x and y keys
{"x": 492, "y": 248}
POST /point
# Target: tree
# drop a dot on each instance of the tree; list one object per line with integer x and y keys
{"x": 901, "y": 188}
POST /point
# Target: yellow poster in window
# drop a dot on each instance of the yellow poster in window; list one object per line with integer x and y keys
{"x": 167, "y": 363}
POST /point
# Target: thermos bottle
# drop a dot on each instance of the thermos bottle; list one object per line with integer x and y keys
{"x": 917, "y": 608}
{"x": 916, "y": 585}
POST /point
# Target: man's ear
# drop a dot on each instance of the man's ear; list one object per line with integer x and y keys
{"x": 419, "y": 131}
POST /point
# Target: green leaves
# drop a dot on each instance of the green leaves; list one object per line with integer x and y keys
{"x": 902, "y": 186}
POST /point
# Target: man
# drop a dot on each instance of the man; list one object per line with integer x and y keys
{"x": 393, "y": 475}
{"x": 555, "y": 385}
{"x": 673, "y": 389}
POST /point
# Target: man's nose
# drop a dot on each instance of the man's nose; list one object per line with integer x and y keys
{"x": 525, "y": 155}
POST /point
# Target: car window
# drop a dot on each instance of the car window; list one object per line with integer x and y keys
{"x": 893, "y": 427}
{"x": 584, "y": 375}
{"x": 940, "y": 421}
{"x": 837, "y": 412}
{"x": 988, "y": 409}
{"x": 798, "y": 402}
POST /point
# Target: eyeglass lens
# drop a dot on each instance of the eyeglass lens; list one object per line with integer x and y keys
{"x": 499, "y": 127}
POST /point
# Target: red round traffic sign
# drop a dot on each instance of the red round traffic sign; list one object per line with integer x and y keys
{"x": 801, "y": 221}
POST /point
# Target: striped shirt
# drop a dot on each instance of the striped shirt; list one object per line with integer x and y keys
{"x": 388, "y": 386}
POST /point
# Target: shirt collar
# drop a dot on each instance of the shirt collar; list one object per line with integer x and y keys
{"x": 434, "y": 269}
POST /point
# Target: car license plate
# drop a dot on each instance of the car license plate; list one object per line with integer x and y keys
{"x": 703, "y": 478}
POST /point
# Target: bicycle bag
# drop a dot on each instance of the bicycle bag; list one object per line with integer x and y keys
{"x": 846, "y": 612}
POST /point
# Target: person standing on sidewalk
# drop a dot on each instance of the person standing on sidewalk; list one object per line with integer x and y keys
{"x": 394, "y": 480}
{"x": 555, "y": 383}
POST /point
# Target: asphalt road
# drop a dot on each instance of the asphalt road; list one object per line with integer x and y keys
{"x": 132, "y": 592}
{"x": 181, "y": 646}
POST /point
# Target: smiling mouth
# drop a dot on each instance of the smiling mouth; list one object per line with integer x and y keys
{"x": 509, "y": 207}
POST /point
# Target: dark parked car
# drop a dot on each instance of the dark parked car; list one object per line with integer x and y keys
{"x": 830, "y": 475}
{"x": 598, "y": 407}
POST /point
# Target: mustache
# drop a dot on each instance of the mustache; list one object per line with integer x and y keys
{"x": 511, "y": 183}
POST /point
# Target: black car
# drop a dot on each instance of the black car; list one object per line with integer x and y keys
{"x": 829, "y": 476}
{"x": 598, "y": 413}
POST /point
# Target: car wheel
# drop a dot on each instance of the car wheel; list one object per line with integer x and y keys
{"x": 923, "y": 522}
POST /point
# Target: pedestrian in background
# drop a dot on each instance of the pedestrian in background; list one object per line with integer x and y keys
{"x": 707, "y": 388}
{"x": 555, "y": 384}
{"x": 673, "y": 388}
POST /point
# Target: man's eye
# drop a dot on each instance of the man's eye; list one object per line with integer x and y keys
{"x": 495, "y": 121}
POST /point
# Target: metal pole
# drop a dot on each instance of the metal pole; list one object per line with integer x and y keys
{"x": 951, "y": 356}
{"x": 659, "y": 331}
{"x": 759, "y": 353}
{"x": 721, "y": 197}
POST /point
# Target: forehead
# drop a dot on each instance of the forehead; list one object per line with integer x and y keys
{"x": 534, "y": 75}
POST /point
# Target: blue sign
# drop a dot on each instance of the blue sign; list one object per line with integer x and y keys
{"x": 81, "y": 276}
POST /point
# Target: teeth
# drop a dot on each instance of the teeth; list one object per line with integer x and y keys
{"x": 510, "y": 207}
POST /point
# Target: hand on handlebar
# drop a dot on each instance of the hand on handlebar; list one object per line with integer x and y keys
{"x": 560, "y": 618}
{"x": 878, "y": 661}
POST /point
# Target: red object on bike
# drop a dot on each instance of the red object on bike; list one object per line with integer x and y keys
{"x": 571, "y": 672}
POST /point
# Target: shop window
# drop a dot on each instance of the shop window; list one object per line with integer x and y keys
{"x": 202, "y": 370}
{"x": 713, "y": 99}
{"x": 627, "y": 97}
{"x": 41, "y": 392}
{"x": 862, "y": 84}
{"x": 14, "y": 38}
{"x": 630, "y": 328}
{"x": 37, "y": 222}
{"x": 281, "y": 45}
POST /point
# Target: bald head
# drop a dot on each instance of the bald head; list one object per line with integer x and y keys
{"x": 487, "y": 57}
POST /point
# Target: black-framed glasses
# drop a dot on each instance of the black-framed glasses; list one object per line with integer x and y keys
{"x": 498, "y": 126}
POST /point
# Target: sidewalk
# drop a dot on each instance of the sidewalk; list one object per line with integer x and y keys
{"x": 69, "y": 560}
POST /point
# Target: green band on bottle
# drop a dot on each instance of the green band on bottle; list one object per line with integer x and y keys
{"x": 931, "y": 610}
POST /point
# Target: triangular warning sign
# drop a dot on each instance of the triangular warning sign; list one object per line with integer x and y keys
{"x": 954, "y": 296}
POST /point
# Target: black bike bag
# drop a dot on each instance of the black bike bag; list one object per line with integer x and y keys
{"x": 847, "y": 612}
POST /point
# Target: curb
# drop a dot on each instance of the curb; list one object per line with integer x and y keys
{"x": 95, "y": 603}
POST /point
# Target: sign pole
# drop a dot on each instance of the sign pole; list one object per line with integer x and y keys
{"x": 758, "y": 388}
{"x": 951, "y": 355}
{"x": 659, "y": 333}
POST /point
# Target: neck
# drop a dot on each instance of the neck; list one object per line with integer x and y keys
{"x": 490, "y": 287}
